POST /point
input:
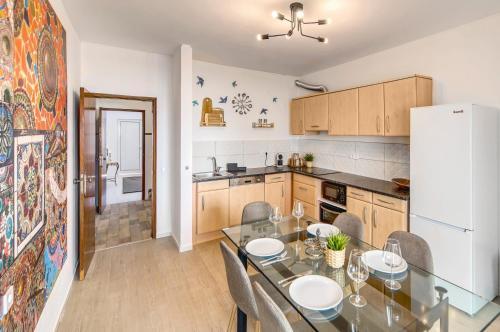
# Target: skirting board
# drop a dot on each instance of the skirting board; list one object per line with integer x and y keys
{"x": 183, "y": 248}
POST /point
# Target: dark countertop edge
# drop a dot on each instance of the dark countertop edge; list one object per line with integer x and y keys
{"x": 394, "y": 192}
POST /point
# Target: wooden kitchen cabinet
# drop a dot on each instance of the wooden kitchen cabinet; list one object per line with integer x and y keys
{"x": 275, "y": 195}
{"x": 297, "y": 117}
{"x": 363, "y": 210}
{"x": 239, "y": 196}
{"x": 316, "y": 113}
{"x": 371, "y": 110}
{"x": 212, "y": 211}
{"x": 343, "y": 113}
{"x": 399, "y": 97}
{"x": 386, "y": 221}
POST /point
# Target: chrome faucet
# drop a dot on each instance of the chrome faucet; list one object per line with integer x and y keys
{"x": 215, "y": 168}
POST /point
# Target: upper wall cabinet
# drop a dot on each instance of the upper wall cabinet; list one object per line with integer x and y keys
{"x": 371, "y": 110}
{"x": 297, "y": 117}
{"x": 381, "y": 109}
{"x": 343, "y": 113}
{"x": 399, "y": 97}
{"x": 316, "y": 113}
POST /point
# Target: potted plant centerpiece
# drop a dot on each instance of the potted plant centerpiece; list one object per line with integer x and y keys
{"x": 309, "y": 158}
{"x": 335, "y": 249}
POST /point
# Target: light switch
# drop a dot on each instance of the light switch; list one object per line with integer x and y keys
{"x": 7, "y": 300}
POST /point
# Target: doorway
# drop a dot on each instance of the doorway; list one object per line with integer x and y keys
{"x": 117, "y": 154}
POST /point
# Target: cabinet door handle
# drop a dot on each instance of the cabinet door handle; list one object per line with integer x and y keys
{"x": 365, "y": 209}
{"x": 203, "y": 203}
{"x": 282, "y": 191}
{"x": 303, "y": 189}
{"x": 387, "y": 123}
{"x": 314, "y": 126}
{"x": 375, "y": 218}
{"x": 356, "y": 194}
{"x": 378, "y": 123}
{"x": 382, "y": 201}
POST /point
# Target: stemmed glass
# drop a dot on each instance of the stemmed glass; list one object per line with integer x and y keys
{"x": 392, "y": 258}
{"x": 298, "y": 212}
{"x": 357, "y": 271}
{"x": 275, "y": 218}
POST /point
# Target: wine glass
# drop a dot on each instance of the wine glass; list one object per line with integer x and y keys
{"x": 298, "y": 212}
{"x": 275, "y": 218}
{"x": 357, "y": 271}
{"x": 392, "y": 258}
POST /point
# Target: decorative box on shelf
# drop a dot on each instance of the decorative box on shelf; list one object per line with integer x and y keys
{"x": 262, "y": 124}
{"x": 211, "y": 116}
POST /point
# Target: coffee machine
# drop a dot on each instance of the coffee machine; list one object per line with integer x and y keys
{"x": 279, "y": 160}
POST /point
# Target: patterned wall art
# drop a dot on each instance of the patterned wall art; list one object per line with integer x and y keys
{"x": 29, "y": 189}
{"x": 33, "y": 142}
{"x": 242, "y": 104}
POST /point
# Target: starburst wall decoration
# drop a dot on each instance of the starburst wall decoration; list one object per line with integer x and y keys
{"x": 242, "y": 103}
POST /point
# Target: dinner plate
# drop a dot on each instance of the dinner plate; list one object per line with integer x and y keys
{"x": 325, "y": 229}
{"x": 315, "y": 292}
{"x": 264, "y": 247}
{"x": 323, "y": 315}
{"x": 375, "y": 260}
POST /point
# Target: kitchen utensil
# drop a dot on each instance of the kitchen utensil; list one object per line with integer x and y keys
{"x": 283, "y": 254}
{"x": 276, "y": 261}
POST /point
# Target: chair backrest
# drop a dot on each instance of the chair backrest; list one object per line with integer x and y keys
{"x": 239, "y": 283}
{"x": 350, "y": 224}
{"x": 272, "y": 319}
{"x": 256, "y": 211}
{"x": 415, "y": 250}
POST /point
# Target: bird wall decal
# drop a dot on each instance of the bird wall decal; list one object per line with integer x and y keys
{"x": 222, "y": 100}
{"x": 195, "y": 103}
{"x": 264, "y": 111}
{"x": 275, "y": 99}
{"x": 235, "y": 84}
{"x": 200, "y": 82}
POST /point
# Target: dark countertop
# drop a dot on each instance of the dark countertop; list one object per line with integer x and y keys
{"x": 353, "y": 180}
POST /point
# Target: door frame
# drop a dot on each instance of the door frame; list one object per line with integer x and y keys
{"x": 143, "y": 154}
{"x": 153, "y": 101}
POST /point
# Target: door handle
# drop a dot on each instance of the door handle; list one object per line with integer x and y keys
{"x": 203, "y": 203}
{"x": 378, "y": 123}
{"x": 374, "y": 218}
{"x": 282, "y": 191}
{"x": 364, "y": 214}
{"x": 82, "y": 182}
{"x": 387, "y": 123}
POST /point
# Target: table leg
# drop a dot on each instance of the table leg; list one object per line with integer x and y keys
{"x": 241, "y": 316}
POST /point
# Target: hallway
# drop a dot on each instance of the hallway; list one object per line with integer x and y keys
{"x": 123, "y": 223}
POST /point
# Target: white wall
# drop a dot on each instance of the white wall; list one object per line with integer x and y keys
{"x": 121, "y": 71}
{"x": 54, "y": 305}
{"x": 182, "y": 159}
{"x": 262, "y": 87}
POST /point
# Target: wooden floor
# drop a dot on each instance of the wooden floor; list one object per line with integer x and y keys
{"x": 123, "y": 223}
{"x": 150, "y": 286}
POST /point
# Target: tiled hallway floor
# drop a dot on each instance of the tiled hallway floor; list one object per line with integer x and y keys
{"x": 123, "y": 223}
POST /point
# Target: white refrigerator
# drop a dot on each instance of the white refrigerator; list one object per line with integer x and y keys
{"x": 454, "y": 195}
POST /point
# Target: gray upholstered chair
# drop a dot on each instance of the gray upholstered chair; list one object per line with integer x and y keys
{"x": 415, "y": 250}
{"x": 239, "y": 284}
{"x": 350, "y": 224}
{"x": 272, "y": 318}
{"x": 256, "y": 211}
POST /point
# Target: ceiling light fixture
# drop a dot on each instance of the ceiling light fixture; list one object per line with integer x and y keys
{"x": 296, "y": 21}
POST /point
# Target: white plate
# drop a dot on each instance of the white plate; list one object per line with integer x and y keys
{"x": 264, "y": 247}
{"x": 316, "y": 292}
{"x": 375, "y": 260}
{"x": 325, "y": 229}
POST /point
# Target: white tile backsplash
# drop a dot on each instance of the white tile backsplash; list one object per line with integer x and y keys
{"x": 372, "y": 151}
{"x": 372, "y": 159}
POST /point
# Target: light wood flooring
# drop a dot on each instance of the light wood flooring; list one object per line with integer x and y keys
{"x": 150, "y": 286}
{"x": 123, "y": 223}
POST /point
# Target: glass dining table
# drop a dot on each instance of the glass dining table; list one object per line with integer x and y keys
{"x": 424, "y": 301}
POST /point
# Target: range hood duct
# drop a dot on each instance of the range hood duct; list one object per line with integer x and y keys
{"x": 312, "y": 87}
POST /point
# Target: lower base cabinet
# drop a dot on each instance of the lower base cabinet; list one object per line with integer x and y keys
{"x": 240, "y": 196}
{"x": 364, "y": 211}
{"x": 275, "y": 195}
{"x": 212, "y": 211}
{"x": 386, "y": 221}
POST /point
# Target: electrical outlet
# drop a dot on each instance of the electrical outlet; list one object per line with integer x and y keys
{"x": 7, "y": 300}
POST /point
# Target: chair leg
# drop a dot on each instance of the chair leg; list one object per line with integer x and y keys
{"x": 231, "y": 319}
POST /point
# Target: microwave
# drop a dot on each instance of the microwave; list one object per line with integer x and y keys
{"x": 334, "y": 192}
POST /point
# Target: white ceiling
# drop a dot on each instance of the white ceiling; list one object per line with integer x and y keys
{"x": 223, "y": 31}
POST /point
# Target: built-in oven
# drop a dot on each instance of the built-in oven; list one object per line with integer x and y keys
{"x": 334, "y": 192}
{"x": 328, "y": 212}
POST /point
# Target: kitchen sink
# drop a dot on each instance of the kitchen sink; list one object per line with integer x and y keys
{"x": 210, "y": 175}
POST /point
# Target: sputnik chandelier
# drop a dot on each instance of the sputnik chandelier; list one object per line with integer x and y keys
{"x": 296, "y": 21}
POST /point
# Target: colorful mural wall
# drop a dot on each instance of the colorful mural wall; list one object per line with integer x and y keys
{"x": 33, "y": 99}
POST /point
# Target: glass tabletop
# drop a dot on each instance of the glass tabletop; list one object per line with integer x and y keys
{"x": 423, "y": 301}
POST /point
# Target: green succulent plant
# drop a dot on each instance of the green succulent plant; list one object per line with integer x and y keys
{"x": 337, "y": 242}
{"x": 309, "y": 157}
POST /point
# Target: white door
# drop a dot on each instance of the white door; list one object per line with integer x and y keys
{"x": 440, "y": 158}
